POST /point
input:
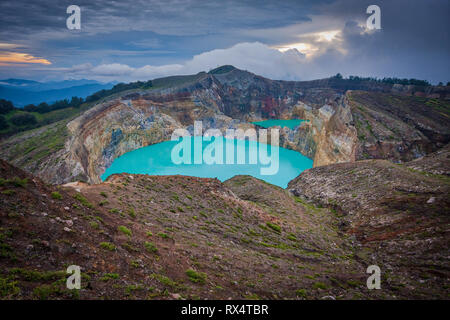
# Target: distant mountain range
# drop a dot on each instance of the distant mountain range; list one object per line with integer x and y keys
{"x": 22, "y": 92}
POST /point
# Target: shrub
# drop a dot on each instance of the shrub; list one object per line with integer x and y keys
{"x": 320, "y": 285}
{"x": 3, "y": 123}
{"x": 164, "y": 280}
{"x": 124, "y": 230}
{"x": 109, "y": 276}
{"x": 23, "y": 119}
{"x": 103, "y": 202}
{"x": 5, "y": 106}
{"x": 150, "y": 246}
{"x": 301, "y": 293}
{"x": 163, "y": 235}
{"x": 94, "y": 225}
{"x": 274, "y": 227}
{"x": 16, "y": 181}
{"x": 43, "y": 292}
{"x": 56, "y": 195}
{"x": 132, "y": 213}
{"x": 292, "y": 237}
{"x": 83, "y": 201}
{"x": 196, "y": 277}
{"x": 108, "y": 246}
{"x": 8, "y": 287}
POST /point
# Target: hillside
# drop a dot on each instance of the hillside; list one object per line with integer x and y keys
{"x": 377, "y": 195}
{"x": 399, "y": 213}
{"x": 137, "y": 236}
{"x": 174, "y": 237}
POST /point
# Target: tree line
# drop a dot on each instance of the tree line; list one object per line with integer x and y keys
{"x": 28, "y": 120}
{"x": 404, "y": 81}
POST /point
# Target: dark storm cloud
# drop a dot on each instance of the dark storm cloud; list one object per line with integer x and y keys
{"x": 22, "y": 18}
{"x": 183, "y": 28}
{"x": 181, "y": 36}
{"x": 414, "y": 40}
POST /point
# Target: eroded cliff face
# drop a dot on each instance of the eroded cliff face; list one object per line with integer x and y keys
{"x": 398, "y": 128}
{"x": 109, "y": 130}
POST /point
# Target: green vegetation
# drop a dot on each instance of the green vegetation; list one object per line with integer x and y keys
{"x": 14, "y": 120}
{"x": 39, "y": 144}
{"x": 292, "y": 237}
{"x": 124, "y": 230}
{"x": 150, "y": 246}
{"x": 222, "y": 69}
{"x": 23, "y": 119}
{"x": 320, "y": 285}
{"x": 404, "y": 81}
{"x": 56, "y": 195}
{"x": 132, "y": 213}
{"x": 164, "y": 235}
{"x": 274, "y": 227}
{"x": 131, "y": 288}
{"x": 16, "y": 182}
{"x": 94, "y": 225}
{"x": 108, "y": 246}
{"x": 8, "y": 287}
{"x": 109, "y": 276}
{"x": 165, "y": 280}
{"x": 83, "y": 201}
{"x": 45, "y": 291}
{"x": 301, "y": 293}
{"x": 33, "y": 275}
{"x": 196, "y": 277}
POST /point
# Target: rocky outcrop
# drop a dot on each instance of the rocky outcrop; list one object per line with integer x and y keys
{"x": 398, "y": 128}
{"x": 398, "y": 213}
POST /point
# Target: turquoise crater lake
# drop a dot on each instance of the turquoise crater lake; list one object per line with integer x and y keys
{"x": 156, "y": 160}
{"x": 291, "y": 124}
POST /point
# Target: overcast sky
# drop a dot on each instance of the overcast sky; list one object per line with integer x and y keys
{"x": 292, "y": 40}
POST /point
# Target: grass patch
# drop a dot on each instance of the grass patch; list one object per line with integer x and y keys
{"x": 301, "y": 293}
{"x": 83, "y": 201}
{"x": 320, "y": 285}
{"x": 164, "y": 235}
{"x": 94, "y": 225}
{"x": 108, "y": 246}
{"x": 8, "y": 287}
{"x": 16, "y": 182}
{"x": 274, "y": 227}
{"x": 132, "y": 213}
{"x": 150, "y": 246}
{"x": 109, "y": 276}
{"x": 56, "y": 195}
{"x": 124, "y": 230}
{"x": 164, "y": 280}
{"x": 196, "y": 277}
